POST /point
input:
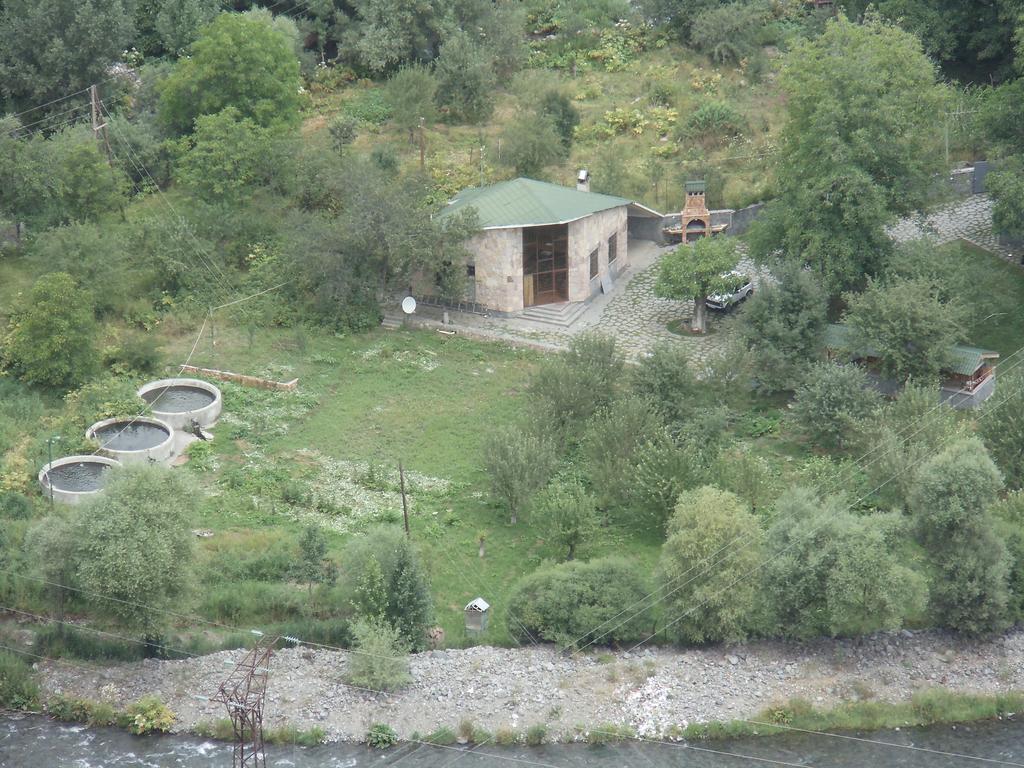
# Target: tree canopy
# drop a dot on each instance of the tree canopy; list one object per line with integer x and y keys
{"x": 697, "y": 271}
{"x": 858, "y": 146}
{"x": 239, "y": 60}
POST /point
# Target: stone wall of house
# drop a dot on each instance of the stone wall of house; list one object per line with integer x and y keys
{"x": 593, "y": 232}
{"x": 498, "y": 256}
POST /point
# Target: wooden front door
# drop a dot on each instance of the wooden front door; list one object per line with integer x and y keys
{"x": 545, "y": 264}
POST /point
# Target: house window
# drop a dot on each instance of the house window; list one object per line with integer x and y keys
{"x": 613, "y": 243}
{"x": 593, "y": 263}
{"x": 471, "y": 270}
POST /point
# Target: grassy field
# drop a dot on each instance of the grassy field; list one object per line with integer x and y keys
{"x": 364, "y": 403}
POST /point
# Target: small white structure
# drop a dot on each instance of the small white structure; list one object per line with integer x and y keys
{"x": 75, "y": 479}
{"x": 477, "y": 612}
{"x": 137, "y": 440}
{"x": 182, "y": 402}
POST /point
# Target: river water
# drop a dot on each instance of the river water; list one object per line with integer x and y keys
{"x": 36, "y": 742}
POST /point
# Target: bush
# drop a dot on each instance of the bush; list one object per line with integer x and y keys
{"x": 378, "y": 660}
{"x": 834, "y": 403}
{"x": 714, "y": 119}
{"x": 52, "y": 334}
{"x": 580, "y": 603}
{"x": 570, "y": 389}
{"x": 536, "y": 734}
{"x": 568, "y": 513}
{"x": 714, "y": 537}
{"x": 831, "y": 572}
{"x": 518, "y": 464}
{"x": 560, "y": 110}
{"x": 381, "y": 736}
{"x": 465, "y": 80}
{"x": 532, "y": 143}
{"x": 666, "y": 379}
{"x": 148, "y": 715}
{"x": 783, "y": 325}
{"x": 18, "y": 689}
{"x": 950, "y": 503}
{"x": 611, "y": 446}
{"x": 135, "y": 353}
{"x": 728, "y": 33}
{"x": 14, "y": 505}
{"x": 409, "y": 94}
{"x": 343, "y": 130}
{"x": 1002, "y": 428}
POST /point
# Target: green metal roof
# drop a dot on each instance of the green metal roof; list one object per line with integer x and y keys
{"x": 529, "y": 203}
{"x": 964, "y": 360}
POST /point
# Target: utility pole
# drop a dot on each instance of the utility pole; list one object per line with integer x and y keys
{"x": 99, "y": 130}
{"x": 405, "y": 504}
{"x": 423, "y": 145}
{"x": 243, "y": 693}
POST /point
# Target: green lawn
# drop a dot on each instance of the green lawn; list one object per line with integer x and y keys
{"x": 379, "y": 398}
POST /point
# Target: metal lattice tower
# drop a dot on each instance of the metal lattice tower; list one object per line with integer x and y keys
{"x": 243, "y": 694}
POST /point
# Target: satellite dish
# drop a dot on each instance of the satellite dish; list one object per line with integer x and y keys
{"x": 408, "y": 305}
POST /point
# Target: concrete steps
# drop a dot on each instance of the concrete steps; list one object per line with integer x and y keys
{"x": 392, "y": 320}
{"x": 561, "y": 315}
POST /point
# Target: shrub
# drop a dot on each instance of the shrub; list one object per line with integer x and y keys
{"x": 149, "y": 714}
{"x": 715, "y": 118}
{"x": 611, "y": 446}
{"x": 666, "y": 379}
{"x": 783, "y": 325}
{"x": 409, "y": 94}
{"x": 443, "y": 736}
{"x": 18, "y": 689}
{"x": 563, "y": 114}
{"x": 343, "y": 130}
{"x": 465, "y": 80}
{"x": 506, "y": 737}
{"x": 532, "y": 143}
{"x": 950, "y": 503}
{"x": 728, "y": 33}
{"x": 580, "y": 603}
{"x": 570, "y": 389}
{"x": 714, "y": 537}
{"x": 378, "y": 660}
{"x": 381, "y": 736}
{"x": 518, "y": 464}
{"x": 14, "y": 505}
{"x": 1002, "y": 428}
{"x": 536, "y": 734}
{"x": 831, "y": 572}
{"x": 136, "y": 353}
{"x": 568, "y": 513}
{"x": 289, "y": 734}
{"x": 52, "y": 334}
{"x": 834, "y": 402}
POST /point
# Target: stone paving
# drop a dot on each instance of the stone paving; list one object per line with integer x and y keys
{"x": 639, "y": 320}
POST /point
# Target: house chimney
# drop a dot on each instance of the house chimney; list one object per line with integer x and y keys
{"x": 583, "y": 180}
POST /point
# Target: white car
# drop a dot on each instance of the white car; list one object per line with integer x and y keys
{"x": 741, "y": 287}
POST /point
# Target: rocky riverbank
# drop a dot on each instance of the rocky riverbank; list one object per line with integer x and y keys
{"x": 496, "y": 688}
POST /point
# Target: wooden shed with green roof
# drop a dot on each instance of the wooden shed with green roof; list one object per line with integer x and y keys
{"x": 968, "y": 379}
{"x": 543, "y": 243}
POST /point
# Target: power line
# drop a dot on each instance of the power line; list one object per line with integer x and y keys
{"x": 749, "y": 538}
{"x": 763, "y": 564}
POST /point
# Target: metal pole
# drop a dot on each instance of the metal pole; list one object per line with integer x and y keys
{"x": 49, "y": 469}
{"x": 405, "y": 506}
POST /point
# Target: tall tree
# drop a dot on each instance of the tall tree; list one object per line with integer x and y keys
{"x": 908, "y": 326}
{"x": 832, "y": 572}
{"x": 858, "y": 147}
{"x": 51, "y": 49}
{"x": 696, "y": 272}
{"x": 52, "y": 336}
{"x": 783, "y": 325}
{"x": 713, "y": 543}
{"x": 465, "y": 80}
{"x": 950, "y": 503}
{"x": 135, "y": 546}
{"x": 239, "y": 60}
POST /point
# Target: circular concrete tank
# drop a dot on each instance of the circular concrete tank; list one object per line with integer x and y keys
{"x": 134, "y": 440}
{"x": 180, "y": 402}
{"x": 76, "y": 478}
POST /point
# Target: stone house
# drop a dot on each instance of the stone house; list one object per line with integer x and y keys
{"x": 542, "y": 243}
{"x": 967, "y": 382}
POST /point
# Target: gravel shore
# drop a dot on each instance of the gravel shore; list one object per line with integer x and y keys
{"x": 497, "y": 688}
